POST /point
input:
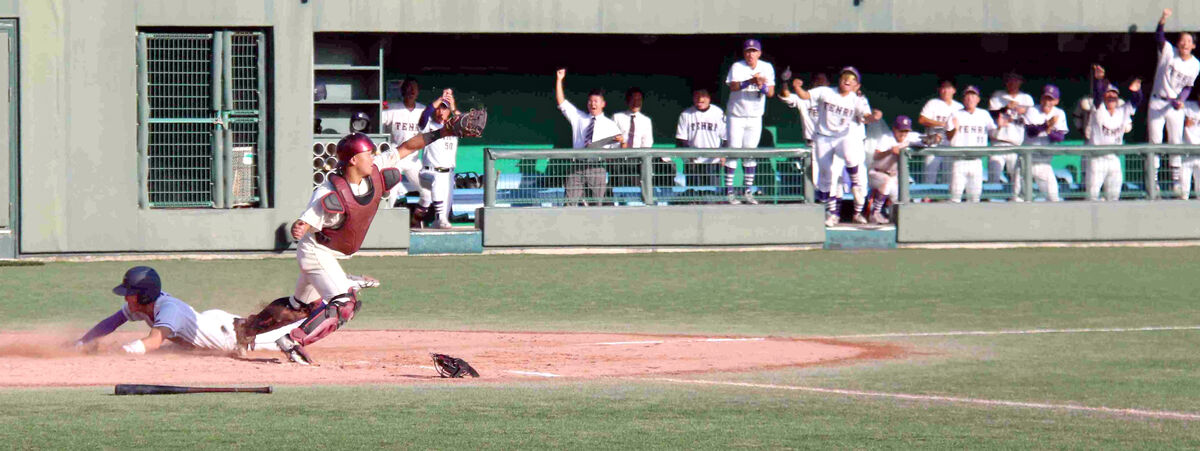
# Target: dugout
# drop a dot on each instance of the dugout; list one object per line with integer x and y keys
{"x": 83, "y": 126}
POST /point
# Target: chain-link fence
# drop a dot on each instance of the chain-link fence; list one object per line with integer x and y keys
{"x": 1084, "y": 173}
{"x": 645, "y": 176}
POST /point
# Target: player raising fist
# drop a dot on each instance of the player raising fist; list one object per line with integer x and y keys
{"x": 838, "y": 111}
{"x": 1173, "y": 79}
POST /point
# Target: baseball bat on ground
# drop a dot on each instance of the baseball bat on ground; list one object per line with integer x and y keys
{"x": 141, "y": 389}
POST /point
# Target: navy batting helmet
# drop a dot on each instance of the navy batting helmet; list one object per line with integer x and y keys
{"x": 142, "y": 281}
{"x": 353, "y": 144}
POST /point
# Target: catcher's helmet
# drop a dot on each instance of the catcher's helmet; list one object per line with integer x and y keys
{"x": 359, "y": 122}
{"x": 142, "y": 281}
{"x": 353, "y": 144}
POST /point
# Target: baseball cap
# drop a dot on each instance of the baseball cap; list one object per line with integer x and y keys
{"x": 971, "y": 88}
{"x": 1113, "y": 88}
{"x": 1012, "y": 75}
{"x": 850, "y": 70}
{"x": 902, "y": 123}
{"x": 752, "y": 44}
{"x": 1050, "y": 91}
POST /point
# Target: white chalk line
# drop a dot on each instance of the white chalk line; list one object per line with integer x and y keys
{"x": 1011, "y": 332}
{"x": 655, "y": 342}
{"x": 952, "y": 399}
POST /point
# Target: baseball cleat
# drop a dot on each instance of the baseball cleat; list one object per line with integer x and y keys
{"x": 750, "y": 198}
{"x": 733, "y": 200}
{"x": 831, "y": 220}
{"x": 879, "y": 218}
{"x": 859, "y": 218}
{"x": 363, "y": 281}
{"x": 441, "y": 225}
{"x": 294, "y": 351}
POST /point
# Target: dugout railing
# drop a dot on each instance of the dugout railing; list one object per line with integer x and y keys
{"x": 1141, "y": 180}
{"x": 545, "y": 177}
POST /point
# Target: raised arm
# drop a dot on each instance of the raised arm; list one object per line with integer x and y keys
{"x": 1135, "y": 92}
{"x": 1160, "y": 34}
{"x": 559, "y": 75}
{"x": 1099, "y": 84}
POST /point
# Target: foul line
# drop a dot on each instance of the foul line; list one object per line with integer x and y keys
{"x": 655, "y": 342}
{"x": 952, "y": 399}
{"x": 1011, "y": 332}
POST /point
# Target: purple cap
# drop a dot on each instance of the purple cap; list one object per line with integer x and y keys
{"x": 851, "y": 70}
{"x": 1050, "y": 91}
{"x": 1113, "y": 88}
{"x": 752, "y": 44}
{"x": 902, "y": 123}
{"x": 970, "y": 89}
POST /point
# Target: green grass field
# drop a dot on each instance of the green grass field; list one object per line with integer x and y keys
{"x": 759, "y": 293}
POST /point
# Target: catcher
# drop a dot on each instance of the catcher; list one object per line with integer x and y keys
{"x": 333, "y": 227}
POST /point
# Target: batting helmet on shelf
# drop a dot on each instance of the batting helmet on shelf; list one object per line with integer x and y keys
{"x": 353, "y": 144}
{"x": 142, "y": 281}
{"x": 359, "y": 122}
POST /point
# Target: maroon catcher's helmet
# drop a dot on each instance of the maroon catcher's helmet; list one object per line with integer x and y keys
{"x": 353, "y": 144}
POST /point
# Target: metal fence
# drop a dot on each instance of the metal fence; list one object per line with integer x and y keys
{"x": 926, "y": 174}
{"x": 202, "y": 120}
{"x": 559, "y": 177}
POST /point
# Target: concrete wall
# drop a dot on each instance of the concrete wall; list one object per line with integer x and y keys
{"x": 1064, "y": 221}
{"x": 732, "y": 16}
{"x": 706, "y": 225}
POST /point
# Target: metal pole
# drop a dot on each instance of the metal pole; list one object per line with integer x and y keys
{"x": 1027, "y": 176}
{"x": 227, "y": 167}
{"x": 806, "y": 173}
{"x": 260, "y": 153}
{"x": 1151, "y": 171}
{"x": 217, "y": 59}
{"x": 143, "y": 137}
{"x": 647, "y": 181}
{"x": 489, "y": 178}
{"x": 227, "y": 70}
{"x": 905, "y": 196}
{"x": 218, "y": 177}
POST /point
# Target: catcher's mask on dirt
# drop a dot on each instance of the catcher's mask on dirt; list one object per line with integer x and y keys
{"x": 142, "y": 281}
{"x": 353, "y": 144}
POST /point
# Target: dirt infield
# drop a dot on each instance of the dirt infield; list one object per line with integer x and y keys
{"x": 402, "y": 356}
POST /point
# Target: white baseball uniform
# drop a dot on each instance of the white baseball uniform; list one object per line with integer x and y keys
{"x": 1107, "y": 129}
{"x": 972, "y": 129}
{"x": 321, "y": 276}
{"x": 401, "y": 124}
{"x": 437, "y": 173}
{"x": 1012, "y": 134}
{"x": 838, "y": 116}
{"x": 808, "y": 113}
{"x": 885, "y": 166}
{"x": 1040, "y": 169}
{"x": 746, "y": 107}
{"x": 937, "y": 110}
{"x": 702, "y": 130}
{"x": 1189, "y": 170}
{"x": 1172, "y": 75}
{"x": 211, "y": 329}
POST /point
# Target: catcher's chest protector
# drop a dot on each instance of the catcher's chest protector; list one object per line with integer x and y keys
{"x": 357, "y": 212}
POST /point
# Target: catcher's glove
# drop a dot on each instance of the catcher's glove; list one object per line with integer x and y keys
{"x": 469, "y": 124}
{"x": 452, "y": 366}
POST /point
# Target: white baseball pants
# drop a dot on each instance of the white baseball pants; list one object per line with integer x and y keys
{"x": 744, "y": 133}
{"x": 321, "y": 276}
{"x": 1189, "y": 176}
{"x": 436, "y": 189}
{"x": 966, "y": 174}
{"x": 1104, "y": 170}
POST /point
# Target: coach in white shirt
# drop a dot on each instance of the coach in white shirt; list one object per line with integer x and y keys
{"x": 588, "y": 130}
{"x": 639, "y": 134}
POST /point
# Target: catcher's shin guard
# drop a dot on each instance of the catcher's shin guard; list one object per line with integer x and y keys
{"x": 327, "y": 318}
{"x": 278, "y": 313}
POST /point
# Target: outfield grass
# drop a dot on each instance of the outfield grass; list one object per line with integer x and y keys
{"x": 779, "y": 293}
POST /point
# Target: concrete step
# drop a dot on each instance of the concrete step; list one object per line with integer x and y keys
{"x": 846, "y": 237}
{"x": 457, "y": 240}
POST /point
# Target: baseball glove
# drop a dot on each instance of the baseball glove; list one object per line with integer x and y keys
{"x": 469, "y": 124}
{"x": 452, "y": 366}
